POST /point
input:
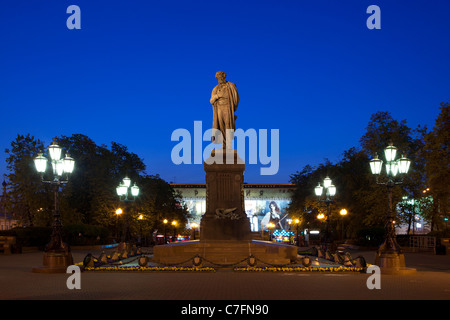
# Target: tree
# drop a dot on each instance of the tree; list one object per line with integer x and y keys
{"x": 436, "y": 153}
{"x": 90, "y": 196}
{"x": 357, "y": 191}
{"x": 29, "y": 197}
{"x": 99, "y": 170}
{"x": 381, "y": 129}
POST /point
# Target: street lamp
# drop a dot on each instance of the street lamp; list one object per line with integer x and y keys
{"x": 297, "y": 223}
{"x": 118, "y": 213}
{"x": 123, "y": 190}
{"x": 271, "y": 226}
{"x": 343, "y": 213}
{"x": 57, "y": 255}
{"x": 389, "y": 254}
{"x": 174, "y": 223}
{"x": 165, "y": 221}
{"x": 140, "y": 219}
{"x": 194, "y": 226}
{"x": 330, "y": 192}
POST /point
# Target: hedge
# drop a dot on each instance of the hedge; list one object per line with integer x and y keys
{"x": 79, "y": 234}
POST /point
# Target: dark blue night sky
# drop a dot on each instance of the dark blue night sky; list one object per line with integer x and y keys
{"x": 138, "y": 70}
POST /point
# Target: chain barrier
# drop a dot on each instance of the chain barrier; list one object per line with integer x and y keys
{"x": 251, "y": 260}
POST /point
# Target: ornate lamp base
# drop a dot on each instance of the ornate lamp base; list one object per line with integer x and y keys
{"x": 392, "y": 262}
{"x": 55, "y": 262}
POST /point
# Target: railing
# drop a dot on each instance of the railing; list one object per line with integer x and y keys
{"x": 422, "y": 243}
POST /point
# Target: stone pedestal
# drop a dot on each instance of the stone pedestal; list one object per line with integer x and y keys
{"x": 55, "y": 262}
{"x": 224, "y": 253}
{"x": 225, "y": 217}
{"x": 225, "y": 237}
{"x": 392, "y": 263}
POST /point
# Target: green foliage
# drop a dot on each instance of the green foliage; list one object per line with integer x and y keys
{"x": 27, "y": 195}
{"x": 90, "y": 196}
{"x": 369, "y": 237}
{"x": 30, "y": 236}
{"x": 437, "y": 155}
{"x": 84, "y": 234}
{"x": 79, "y": 234}
{"x": 357, "y": 190}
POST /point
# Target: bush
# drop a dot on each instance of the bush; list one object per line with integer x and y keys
{"x": 79, "y": 234}
{"x": 440, "y": 234}
{"x": 30, "y": 236}
{"x": 370, "y": 237}
{"x": 85, "y": 234}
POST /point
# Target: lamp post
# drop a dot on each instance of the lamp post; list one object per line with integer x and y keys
{"x": 57, "y": 255}
{"x": 123, "y": 190}
{"x": 343, "y": 213}
{"x": 330, "y": 191}
{"x": 140, "y": 219}
{"x": 389, "y": 254}
{"x": 297, "y": 222}
{"x": 174, "y": 223}
{"x": 118, "y": 213}
{"x": 271, "y": 226}
{"x": 165, "y": 221}
{"x": 194, "y": 226}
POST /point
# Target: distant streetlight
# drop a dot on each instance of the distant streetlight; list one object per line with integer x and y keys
{"x": 174, "y": 224}
{"x": 165, "y": 221}
{"x": 271, "y": 226}
{"x": 194, "y": 226}
{"x": 343, "y": 213}
{"x": 119, "y": 211}
{"x": 297, "y": 223}
{"x": 123, "y": 190}
{"x": 389, "y": 254}
{"x": 330, "y": 192}
{"x": 57, "y": 255}
{"x": 140, "y": 219}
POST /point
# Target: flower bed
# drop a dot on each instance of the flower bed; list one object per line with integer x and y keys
{"x": 300, "y": 269}
{"x": 149, "y": 269}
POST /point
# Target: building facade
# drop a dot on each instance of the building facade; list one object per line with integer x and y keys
{"x": 264, "y": 203}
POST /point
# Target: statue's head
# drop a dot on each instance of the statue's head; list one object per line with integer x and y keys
{"x": 220, "y": 75}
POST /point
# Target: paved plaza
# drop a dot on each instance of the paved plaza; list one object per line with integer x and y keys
{"x": 431, "y": 282}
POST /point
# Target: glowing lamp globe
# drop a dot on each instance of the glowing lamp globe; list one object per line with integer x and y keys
{"x": 135, "y": 190}
{"x": 376, "y": 165}
{"x": 318, "y": 190}
{"x": 69, "y": 164}
{"x": 390, "y": 152}
{"x": 331, "y": 190}
{"x": 121, "y": 190}
{"x": 403, "y": 165}
{"x": 40, "y": 162}
{"x": 392, "y": 168}
{"x": 55, "y": 151}
{"x": 58, "y": 167}
{"x": 126, "y": 181}
{"x": 326, "y": 182}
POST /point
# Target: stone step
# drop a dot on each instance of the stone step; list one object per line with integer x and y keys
{"x": 225, "y": 260}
